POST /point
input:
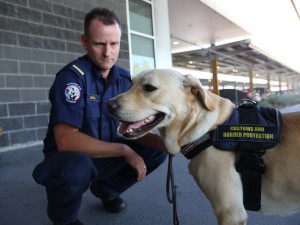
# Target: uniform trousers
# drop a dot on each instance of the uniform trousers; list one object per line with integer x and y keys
{"x": 67, "y": 175}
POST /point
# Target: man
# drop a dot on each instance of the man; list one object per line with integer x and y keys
{"x": 82, "y": 147}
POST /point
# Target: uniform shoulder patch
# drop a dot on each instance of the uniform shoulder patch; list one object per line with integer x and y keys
{"x": 72, "y": 92}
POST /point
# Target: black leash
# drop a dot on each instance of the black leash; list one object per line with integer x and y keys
{"x": 171, "y": 187}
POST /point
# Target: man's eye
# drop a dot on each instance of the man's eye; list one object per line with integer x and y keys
{"x": 149, "y": 88}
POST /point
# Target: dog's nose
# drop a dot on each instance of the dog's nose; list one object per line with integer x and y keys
{"x": 112, "y": 105}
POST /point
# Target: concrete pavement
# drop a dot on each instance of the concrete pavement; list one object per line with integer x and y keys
{"x": 22, "y": 201}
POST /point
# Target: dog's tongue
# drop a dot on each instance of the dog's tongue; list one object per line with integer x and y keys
{"x": 126, "y": 127}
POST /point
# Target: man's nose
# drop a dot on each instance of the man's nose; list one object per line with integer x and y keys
{"x": 107, "y": 50}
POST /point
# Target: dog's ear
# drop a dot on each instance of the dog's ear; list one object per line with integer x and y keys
{"x": 198, "y": 90}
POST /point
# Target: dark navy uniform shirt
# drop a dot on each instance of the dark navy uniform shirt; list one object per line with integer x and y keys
{"x": 78, "y": 97}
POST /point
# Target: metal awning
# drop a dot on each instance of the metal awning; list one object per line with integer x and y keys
{"x": 235, "y": 58}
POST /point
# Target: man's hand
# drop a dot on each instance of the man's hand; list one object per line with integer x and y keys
{"x": 137, "y": 162}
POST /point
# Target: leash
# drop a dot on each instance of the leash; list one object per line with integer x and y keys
{"x": 171, "y": 187}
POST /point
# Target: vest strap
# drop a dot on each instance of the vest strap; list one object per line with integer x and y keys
{"x": 251, "y": 167}
{"x": 250, "y": 164}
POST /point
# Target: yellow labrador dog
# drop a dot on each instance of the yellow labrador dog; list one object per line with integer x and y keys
{"x": 182, "y": 110}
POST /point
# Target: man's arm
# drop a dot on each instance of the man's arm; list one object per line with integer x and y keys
{"x": 69, "y": 138}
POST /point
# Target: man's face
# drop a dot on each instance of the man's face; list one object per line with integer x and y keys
{"x": 102, "y": 45}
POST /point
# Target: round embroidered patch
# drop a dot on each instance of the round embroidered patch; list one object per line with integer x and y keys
{"x": 72, "y": 92}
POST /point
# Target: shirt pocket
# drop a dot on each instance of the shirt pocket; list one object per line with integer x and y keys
{"x": 92, "y": 109}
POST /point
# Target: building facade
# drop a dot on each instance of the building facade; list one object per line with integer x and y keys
{"x": 38, "y": 37}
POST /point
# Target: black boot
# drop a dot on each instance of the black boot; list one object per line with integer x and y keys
{"x": 112, "y": 204}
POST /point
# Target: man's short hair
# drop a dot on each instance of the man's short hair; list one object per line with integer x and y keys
{"x": 105, "y": 15}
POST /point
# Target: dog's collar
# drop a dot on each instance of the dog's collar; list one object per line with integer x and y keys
{"x": 194, "y": 148}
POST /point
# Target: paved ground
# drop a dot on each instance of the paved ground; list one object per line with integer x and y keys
{"x": 24, "y": 202}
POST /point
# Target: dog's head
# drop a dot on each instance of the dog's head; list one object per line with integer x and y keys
{"x": 161, "y": 99}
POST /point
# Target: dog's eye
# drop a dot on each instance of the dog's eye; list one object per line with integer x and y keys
{"x": 149, "y": 88}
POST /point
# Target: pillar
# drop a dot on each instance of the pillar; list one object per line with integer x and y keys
{"x": 214, "y": 68}
{"x": 251, "y": 81}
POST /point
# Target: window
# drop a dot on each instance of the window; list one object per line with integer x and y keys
{"x": 141, "y": 35}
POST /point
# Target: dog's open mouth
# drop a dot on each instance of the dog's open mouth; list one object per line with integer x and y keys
{"x": 141, "y": 127}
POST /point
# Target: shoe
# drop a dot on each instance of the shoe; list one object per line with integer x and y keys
{"x": 76, "y": 222}
{"x": 112, "y": 204}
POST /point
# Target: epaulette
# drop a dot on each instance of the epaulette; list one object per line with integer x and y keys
{"x": 80, "y": 66}
{"x": 76, "y": 69}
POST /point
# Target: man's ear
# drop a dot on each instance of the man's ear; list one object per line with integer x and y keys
{"x": 84, "y": 41}
{"x": 198, "y": 90}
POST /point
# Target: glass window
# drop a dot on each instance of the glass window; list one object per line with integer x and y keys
{"x": 140, "y": 17}
{"x": 141, "y": 36}
{"x": 142, "y": 53}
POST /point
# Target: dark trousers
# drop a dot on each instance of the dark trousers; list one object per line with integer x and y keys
{"x": 67, "y": 175}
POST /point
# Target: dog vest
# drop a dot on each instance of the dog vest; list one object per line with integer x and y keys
{"x": 251, "y": 129}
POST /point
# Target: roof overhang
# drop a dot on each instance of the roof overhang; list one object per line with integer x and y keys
{"x": 202, "y": 29}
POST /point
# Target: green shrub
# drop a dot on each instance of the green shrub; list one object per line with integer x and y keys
{"x": 279, "y": 101}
